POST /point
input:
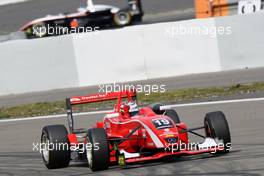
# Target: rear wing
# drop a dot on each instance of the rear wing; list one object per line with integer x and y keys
{"x": 101, "y": 97}
{"x": 93, "y": 98}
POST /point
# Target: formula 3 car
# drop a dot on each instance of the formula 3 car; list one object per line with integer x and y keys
{"x": 86, "y": 19}
{"x": 129, "y": 134}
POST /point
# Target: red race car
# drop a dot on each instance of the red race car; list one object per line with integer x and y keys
{"x": 130, "y": 134}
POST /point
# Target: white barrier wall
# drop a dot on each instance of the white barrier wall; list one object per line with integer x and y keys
{"x": 244, "y": 48}
{"x": 144, "y": 52}
{"x": 168, "y": 54}
{"x": 109, "y": 56}
{"x": 36, "y": 65}
{"x": 132, "y": 53}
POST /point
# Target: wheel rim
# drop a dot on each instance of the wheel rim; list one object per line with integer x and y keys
{"x": 45, "y": 148}
{"x": 122, "y": 18}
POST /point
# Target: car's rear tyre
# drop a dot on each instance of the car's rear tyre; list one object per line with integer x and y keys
{"x": 216, "y": 126}
{"x": 173, "y": 115}
{"x": 98, "y": 155}
{"x": 122, "y": 18}
{"x": 55, "y": 146}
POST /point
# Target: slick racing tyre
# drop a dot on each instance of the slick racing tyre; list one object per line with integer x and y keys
{"x": 169, "y": 112}
{"x": 173, "y": 115}
{"x": 156, "y": 108}
{"x": 55, "y": 146}
{"x": 122, "y": 18}
{"x": 98, "y": 155}
{"x": 216, "y": 127}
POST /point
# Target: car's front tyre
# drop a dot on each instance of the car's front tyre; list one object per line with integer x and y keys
{"x": 216, "y": 126}
{"x": 169, "y": 112}
{"x": 98, "y": 155}
{"x": 55, "y": 147}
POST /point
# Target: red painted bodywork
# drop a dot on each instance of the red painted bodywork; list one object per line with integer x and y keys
{"x": 147, "y": 138}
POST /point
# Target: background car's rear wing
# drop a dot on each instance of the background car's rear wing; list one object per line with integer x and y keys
{"x": 93, "y": 98}
{"x": 136, "y": 5}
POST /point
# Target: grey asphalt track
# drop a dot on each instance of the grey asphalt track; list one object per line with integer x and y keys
{"x": 246, "y": 157}
{"x": 245, "y": 119}
{"x": 225, "y": 78}
{"x": 14, "y": 16}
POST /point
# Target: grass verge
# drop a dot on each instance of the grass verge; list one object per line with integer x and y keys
{"x": 172, "y": 96}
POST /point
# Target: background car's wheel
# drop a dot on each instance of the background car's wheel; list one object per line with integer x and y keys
{"x": 98, "y": 156}
{"x": 55, "y": 146}
{"x": 39, "y": 30}
{"x": 216, "y": 127}
{"x": 122, "y": 18}
{"x": 173, "y": 115}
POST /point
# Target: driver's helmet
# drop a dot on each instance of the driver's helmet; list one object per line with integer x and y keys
{"x": 133, "y": 108}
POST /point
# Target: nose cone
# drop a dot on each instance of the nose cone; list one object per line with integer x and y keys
{"x": 170, "y": 136}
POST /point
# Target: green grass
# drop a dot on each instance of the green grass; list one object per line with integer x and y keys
{"x": 173, "y": 96}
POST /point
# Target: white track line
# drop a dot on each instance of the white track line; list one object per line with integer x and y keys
{"x": 53, "y": 116}
{"x": 163, "y": 107}
{"x": 6, "y": 2}
{"x": 213, "y": 103}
